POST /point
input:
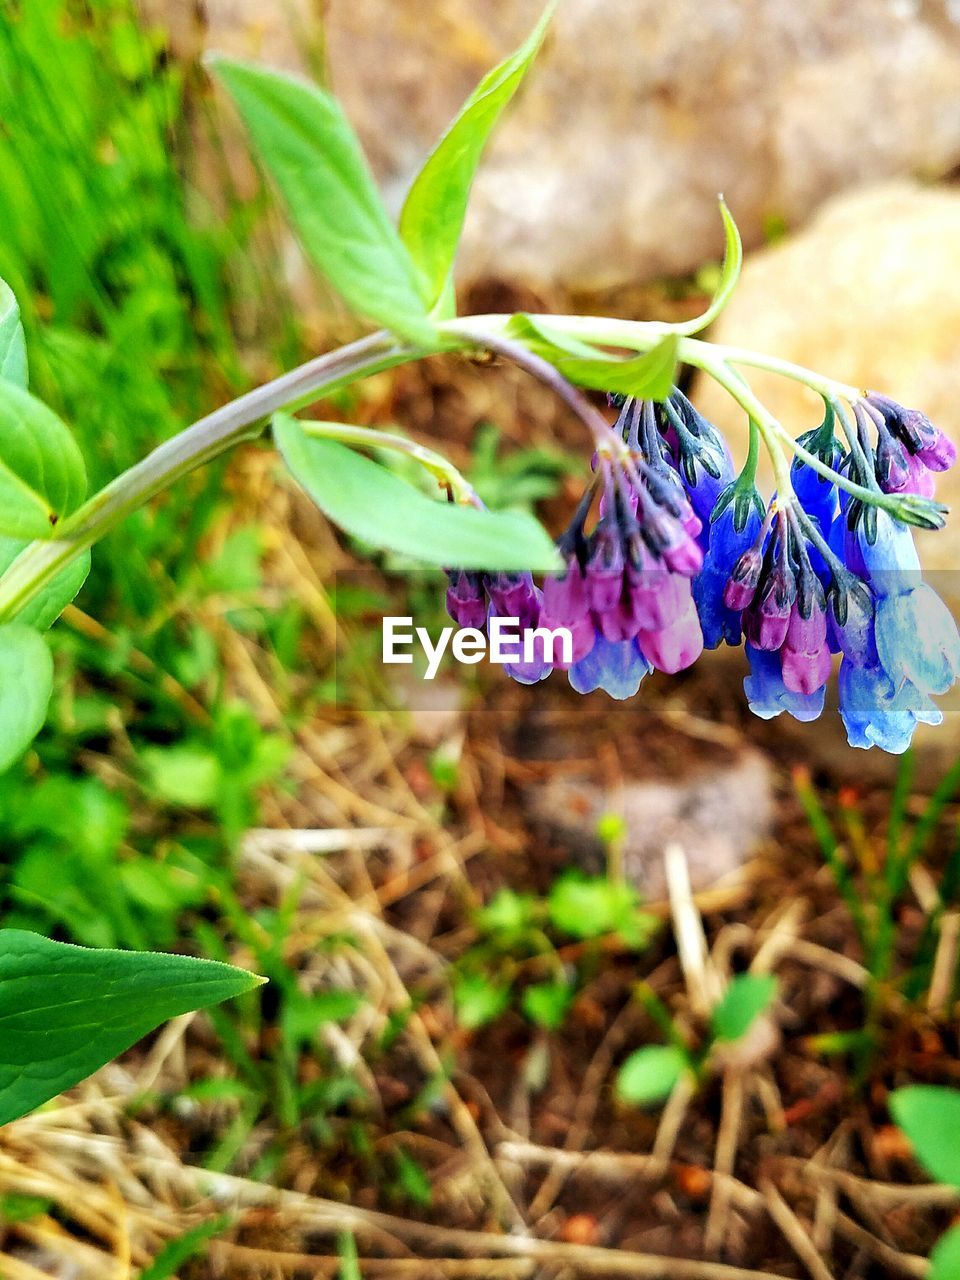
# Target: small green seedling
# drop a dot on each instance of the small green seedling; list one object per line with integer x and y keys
{"x": 650, "y": 1074}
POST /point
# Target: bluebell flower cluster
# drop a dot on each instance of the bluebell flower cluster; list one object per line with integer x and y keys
{"x": 671, "y": 552}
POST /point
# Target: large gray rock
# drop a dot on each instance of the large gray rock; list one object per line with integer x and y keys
{"x": 607, "y": 169}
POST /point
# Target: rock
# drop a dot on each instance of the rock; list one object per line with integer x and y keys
{"x": 717, "y": 815}
{"x": 607, "y": 168}
{"x": 867, "y": 294}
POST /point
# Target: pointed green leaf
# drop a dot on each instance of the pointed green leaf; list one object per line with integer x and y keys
{"x": 729, "y": 275}
{"x": 46, "y": 607}
{"x": 371, "y": 503}
{"x": 747, "y": 996}
{"x": 930, "y": 1117}
{"x": 66, "y": 1010}
{"x": 433, "y": 214}
{"x": 13, "y": 350}
{"x": 307, "y": 145}
{"x": 26, "y": 681}
{"x": 648, "y": 377}
{"x": 42, "y": 476}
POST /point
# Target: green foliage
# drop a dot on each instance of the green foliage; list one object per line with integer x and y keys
{"x": 650, "y": 1074}
{"x": 594, "y": 906}
{"x": 433, "y": 214}
{"x": 648, "y": 377}
{"x": 745, "y": 999}
{"x": 305, "y": 142}
{"x": 479, "y": 999}
{"x": 728, "y": 277}
{"x": 546, "y": 1003}
{"x": 48, "y": 604}
{"x": 518, "y": 478}
{"x": 872, "y": 875}
{"x": 930, "y": 1117}
{"x": 13, "y": 351}
{"x": 26, "y": 681}
{"x": 945, "y": 1259}
{"x": 372, "y": 504}
{"x": 66, "y": 1010}
{"x": 516, "y": 925}
{"x": 42, "y": 475}
{"x": 192, "y": 1244}
{"x": 349, "y": 1268}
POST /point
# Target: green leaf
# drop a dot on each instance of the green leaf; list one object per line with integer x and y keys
{"x": 433, "y": 214}
{"x": 590, "y": 906}
{"x": 46, "y": 607}
{"x": 13, "y": 349}
{"x": 945, "y": 1259}
{"x": 542, "y": 338}
{"x": 66, "y": 1010}
{"x": 930, "y": 1117}
{"x": 747, "y": 996}
{"x": 648, "y": 377}
{"x": 650, "y": 1074}
{"x": 546, "y": 1003}
{"x": 26, "y": 682}
{"x": 306, "y": 143}
{"x": 729, "y": 275}
{"x": 184, "y": 774}
{"x": 479, "y": 999}
{"x": 192, "y": 1244}
{"x": 371, "y": 503}
{"x": 42, "y": 476}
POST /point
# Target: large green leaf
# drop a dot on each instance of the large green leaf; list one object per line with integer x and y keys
{"x": 42, "y": 476}
{"x": 66, "y": 1010}
{"x": 648, "y": 377}
{"x": 930, "y": 1117}
{"x": 26, "y": 681}
{"x": 373, "y": 504}
{"x": 13, "y": 350}
{"x": 46, "y": 607}
{"x": 306, "y": 143}
{"x": 433, "y": 213}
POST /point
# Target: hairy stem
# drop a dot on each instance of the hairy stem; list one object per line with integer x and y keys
{"x": 241, "y": 419}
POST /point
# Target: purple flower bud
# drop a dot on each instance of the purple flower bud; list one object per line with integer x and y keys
{"x": 677, "y": 646}
{"x": 605, "y": 567}
{"x": 565, "y": 596}
{"x": 466, "y": 600}
{"x": 940, "y": 455}
{"x": 807, "y": 634}
{"x": 768, "y": 617}
{"x": 744, "y": 580}
{"x": 513, "y": 595}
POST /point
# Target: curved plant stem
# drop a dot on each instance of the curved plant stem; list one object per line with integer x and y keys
{"x": 206, "y": 439}
{"x": 368, "y": 437}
